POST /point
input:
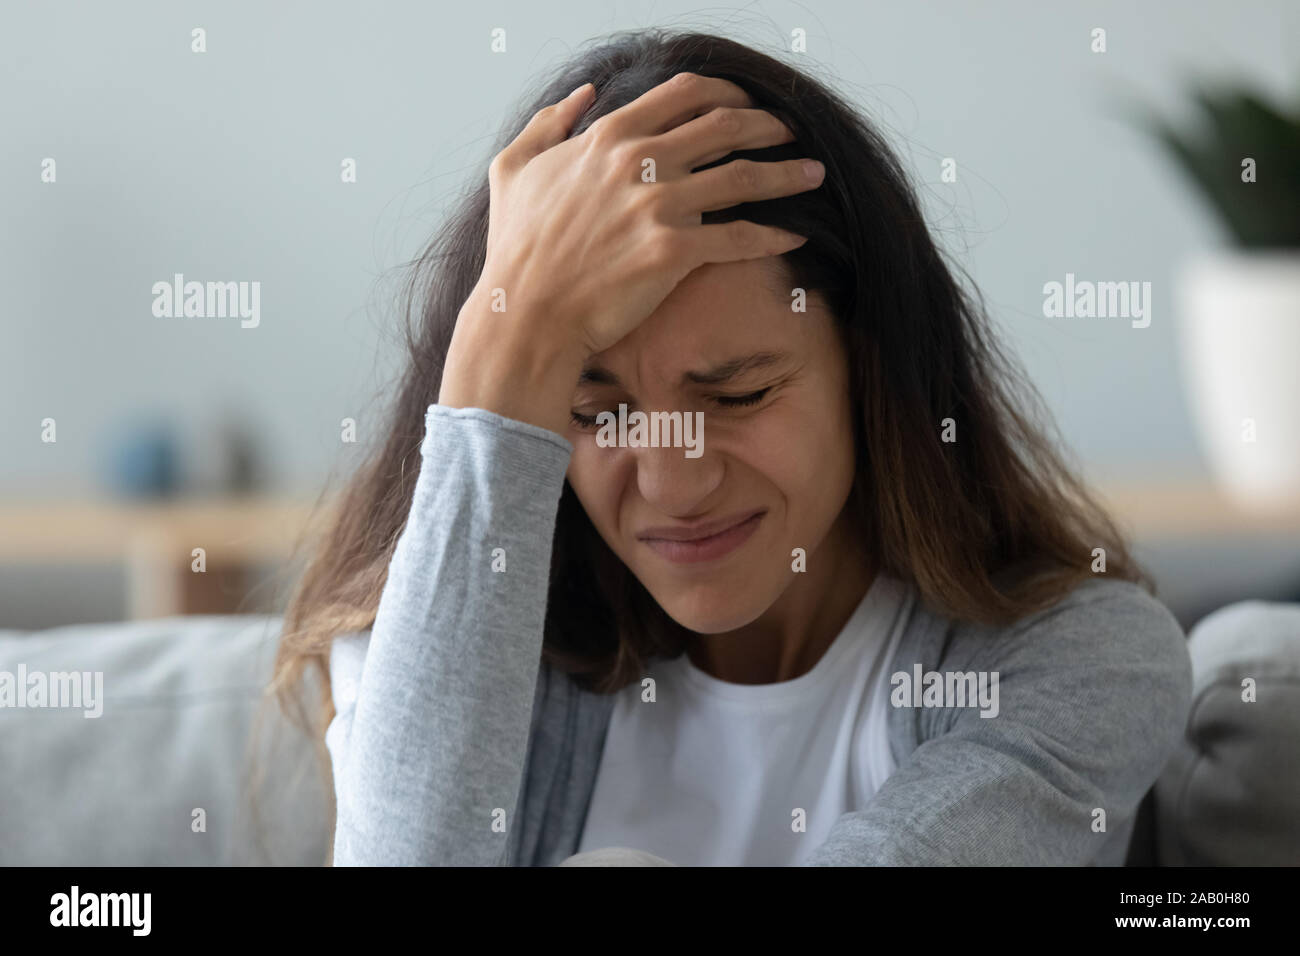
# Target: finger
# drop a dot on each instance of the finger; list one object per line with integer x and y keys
{"x": 550, "y": 125}
{"x": 673, "y": 102}
{"x": 743, "y": 180}
{"x": 737, "y": 240}
{"x": 717, "y": 133}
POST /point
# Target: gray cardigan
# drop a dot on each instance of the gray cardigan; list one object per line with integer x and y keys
{"x": 454, "y": 744}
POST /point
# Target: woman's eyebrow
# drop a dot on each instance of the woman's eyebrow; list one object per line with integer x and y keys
{"x": 717, "y": 375}
{"x": 734, "y": 368}
{"x": 596, "y": 375}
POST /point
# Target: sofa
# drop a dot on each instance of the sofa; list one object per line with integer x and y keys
{"x": 192, "y": 764}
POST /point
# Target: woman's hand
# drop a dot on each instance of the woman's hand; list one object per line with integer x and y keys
{"x": 581, "y": 248}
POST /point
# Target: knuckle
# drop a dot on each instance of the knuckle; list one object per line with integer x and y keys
{"x": 646, "y": 202}
{"x": 740, "y": 234}
{"x": 683, "y": 82}
{"x": 601, "y": 132}
{"x": 726, "y": 119}
{"x": 745, "y": 173}
{"x": 622, "y": 156}
{"x": 661, "y": 248}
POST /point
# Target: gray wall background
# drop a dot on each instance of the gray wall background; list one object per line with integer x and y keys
{"x": 225, "y": 165}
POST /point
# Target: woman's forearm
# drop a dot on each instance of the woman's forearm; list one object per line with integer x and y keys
{"x": 429, "y": 768}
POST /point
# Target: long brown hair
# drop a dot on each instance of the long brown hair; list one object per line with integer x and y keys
{"x": 988, "y": 527}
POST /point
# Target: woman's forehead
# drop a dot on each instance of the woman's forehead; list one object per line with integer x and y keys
{"x": 727, "y": 317}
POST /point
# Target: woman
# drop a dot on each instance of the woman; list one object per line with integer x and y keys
{"x": 867, "y": 623}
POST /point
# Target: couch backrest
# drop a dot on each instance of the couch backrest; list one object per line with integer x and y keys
{"x": 1230, "y": 795}
{"x": 167, "y": 773}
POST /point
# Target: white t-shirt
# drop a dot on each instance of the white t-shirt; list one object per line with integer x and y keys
{"x": 711, "y": 773}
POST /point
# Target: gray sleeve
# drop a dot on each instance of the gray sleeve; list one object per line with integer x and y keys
{"x": 1093, "y": 696}
{"x": 434, "y": 703}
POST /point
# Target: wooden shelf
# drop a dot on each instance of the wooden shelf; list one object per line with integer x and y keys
{"x": 230, "y": 530}
{"x": 155, "y": 542}
{"x": 1186, "y": 510}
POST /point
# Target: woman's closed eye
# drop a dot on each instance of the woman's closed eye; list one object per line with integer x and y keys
{"x": 726, "y": 401}
{"x": 582, "y": 421}
{"x": 737, "y": 401}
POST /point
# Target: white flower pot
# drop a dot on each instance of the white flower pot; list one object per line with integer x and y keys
{"x": 1239, "y": 333}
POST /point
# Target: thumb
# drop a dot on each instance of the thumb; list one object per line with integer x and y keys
{"x": 551, "y": 125}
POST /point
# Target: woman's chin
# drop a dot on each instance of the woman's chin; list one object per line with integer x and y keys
{"x": 706, "y": 611}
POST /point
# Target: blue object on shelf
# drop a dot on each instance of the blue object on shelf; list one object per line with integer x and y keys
{"x": 143, "y": 462}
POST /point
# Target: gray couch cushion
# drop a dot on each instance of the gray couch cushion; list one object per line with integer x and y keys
{"x": 181, "y": 697}
{"x": 1231, "y": 793}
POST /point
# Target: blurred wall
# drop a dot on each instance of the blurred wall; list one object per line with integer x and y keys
{"x": 225, "y": 165}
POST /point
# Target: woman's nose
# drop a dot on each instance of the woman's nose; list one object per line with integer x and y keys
{"x": 674, "y": 483}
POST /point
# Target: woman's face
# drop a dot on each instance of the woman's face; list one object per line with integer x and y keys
{"x": 777, "y": 444}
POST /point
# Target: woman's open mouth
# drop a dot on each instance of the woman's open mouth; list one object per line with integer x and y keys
{"x": 705, "y": 542}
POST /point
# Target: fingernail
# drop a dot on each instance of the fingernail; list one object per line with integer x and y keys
{"x": 579, "y": 90}
{"x": 813, "y": 170}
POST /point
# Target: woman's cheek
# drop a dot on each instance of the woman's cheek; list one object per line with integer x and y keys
{"x": 594, "y": 476}
{"x": 783, "y": 444}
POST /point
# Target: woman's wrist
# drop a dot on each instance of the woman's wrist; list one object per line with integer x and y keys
{"x": 510, "y": 366}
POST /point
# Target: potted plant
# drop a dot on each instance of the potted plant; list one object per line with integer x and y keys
{"x": 1239, "y": 308}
